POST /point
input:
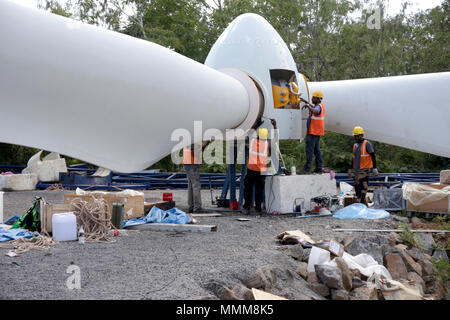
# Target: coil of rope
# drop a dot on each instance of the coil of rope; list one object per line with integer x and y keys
{"x": 95, "y": 218}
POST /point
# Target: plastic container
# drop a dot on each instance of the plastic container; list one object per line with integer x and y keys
{"x": 64, "y": 226}
{"x": 293, "y": 171}
{"x": 234, "y": 205}
{"x": 167, "y": 197}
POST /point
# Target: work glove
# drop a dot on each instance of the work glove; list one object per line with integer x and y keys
{"x": 375, "y": 172}
{"x": 349, "y": 173}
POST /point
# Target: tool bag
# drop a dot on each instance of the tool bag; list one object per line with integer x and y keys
{"x": 31, "y": 219}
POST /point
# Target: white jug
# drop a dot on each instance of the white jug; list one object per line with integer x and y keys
{"x": 64, "y": 226}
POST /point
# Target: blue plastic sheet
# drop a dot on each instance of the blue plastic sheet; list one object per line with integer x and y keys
{"x": 360, "y": 211}
{"x": 157, "y": 215}
{"x": 14, "y": 234}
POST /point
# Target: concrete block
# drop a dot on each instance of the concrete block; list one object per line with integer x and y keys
{"x": 48, "y": 170}
{"x": 445, "y": 177}
{"x": 18, "y": 182}
{"x": 281, "y": 191}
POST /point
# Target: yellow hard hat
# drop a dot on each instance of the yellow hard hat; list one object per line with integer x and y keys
{"x": 358, "y": 131}
{"x": 318, "y": 94}
{"x": 263, "y": 133}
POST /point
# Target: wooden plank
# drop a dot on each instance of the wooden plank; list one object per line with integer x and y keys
{"x": 174, "y": 227}
{"x": 206, "y": 215}
{"x": 262, "y": 295}
{"x": 392, "y": 230}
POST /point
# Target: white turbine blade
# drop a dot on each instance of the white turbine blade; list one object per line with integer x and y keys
{"x": 101, "y": 96}
{"x": 409, "y": 111}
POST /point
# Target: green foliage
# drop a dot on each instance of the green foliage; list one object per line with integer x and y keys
{"x": 444, "y": 224}
{"x": 442, "y": 268}
{"x": 408, "y": 237}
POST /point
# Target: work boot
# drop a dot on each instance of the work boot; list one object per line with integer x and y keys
{"x": 318, "y": 171}
{"x": 303, "y": 171}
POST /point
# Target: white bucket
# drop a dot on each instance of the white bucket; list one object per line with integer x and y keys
{"x": 64, "y": 226}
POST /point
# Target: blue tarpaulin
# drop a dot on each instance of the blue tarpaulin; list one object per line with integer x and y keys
{"x": 157, "y": 215}
{"x": 360, "y": 211}
{"x": 14, "y": 234}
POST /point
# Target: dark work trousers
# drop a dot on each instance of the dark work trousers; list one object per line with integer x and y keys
{"x": 253, "y": 178}
{"x": 361, "y": 186}
{"x": 313, "y": 148}
{"x": 194, "y": 187}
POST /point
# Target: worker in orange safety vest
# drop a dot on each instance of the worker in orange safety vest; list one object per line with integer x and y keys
{"x": 192, "y": 159}
{"x": 258, "y": 161}
{"x": 363, "y": 161}
{"x": 315, "y": 129}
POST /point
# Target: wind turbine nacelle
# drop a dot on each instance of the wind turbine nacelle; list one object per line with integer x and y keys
{"x": 251, "y": 45}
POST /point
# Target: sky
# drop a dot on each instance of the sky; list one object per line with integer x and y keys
{"x": 393, "y": 7}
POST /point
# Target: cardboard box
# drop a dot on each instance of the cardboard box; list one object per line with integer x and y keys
{"x": 441, "y": 206}
{"x": 133, "y": 205}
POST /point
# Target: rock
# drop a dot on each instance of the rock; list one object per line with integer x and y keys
{"x": 357, "y": 283}
{"x": 378, "y": 239}
{"x": 401, "y": 247}
{"x": 359, "y": 246}
{"x": 210, "y": 297}
{"x": 301, "y": 270}
{"x": 416, "y": 254}
{"x": 220, "y": 289}
{"x": 400, "y": 218}
{"x": 306, "y": 253}
{"x": 426, "y": 256}
{"x": 312, "y": 277}
{"x": 330, "y": 276}
{"x": 356, "y": 273}
{"x": 427, "y": 267}
{"x": 393, "y": 238}
{"x": 440, "y": 254}
{"x": 347, "y": 275}
{"x": 416, "y": 223}
{"x": 434, "y": 287}
{"x": 367, "y": 292}
{"x": 320, "y": 289}
{"x": 395, "y": 265}
{"x": 264, "y": 278}
{"x": 426, "y": 242}
{"x": 242, "y": 292}
{"x": 412, "y": 276}
{"x": 410, "y": 264}
{"x": 339, "y": 294}
{"x": 295, "y": 251}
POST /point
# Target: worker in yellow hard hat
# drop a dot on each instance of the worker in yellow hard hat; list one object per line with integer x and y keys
{"x": 259, "y": 155}
{"x": 363, "y": 161}
{"x": 315, "y": 129}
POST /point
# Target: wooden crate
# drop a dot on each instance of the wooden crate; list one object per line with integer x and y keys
{"x": 133, "y": 205}
{"x": 48, "y": 211}
{"x": 441, "y": 206}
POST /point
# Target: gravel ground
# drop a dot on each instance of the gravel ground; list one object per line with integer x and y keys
{"x": 161, "y": 265}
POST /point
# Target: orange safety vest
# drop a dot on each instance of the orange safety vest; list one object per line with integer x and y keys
{"x": 189, "y": 156}
{"x": 317, "y": 124}
{"x": 258, "y": 155}
{"x": 365, "y": 161}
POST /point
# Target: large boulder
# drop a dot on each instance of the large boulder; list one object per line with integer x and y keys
{"x": 426, "y": 242}
{"x": 440, "y": 254}
{"x": 347, "y": 275}
{"x": 339, "y": 294}
{"x": 412, "y": 276}
{"x": 295, "y": 251}
{"x": 329, "y": 275}
{"x": 367, "y": 292}
{"x": 368, "y": 246}
{"x": 395, "y": 265}
{"x": 410, "y": 264}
